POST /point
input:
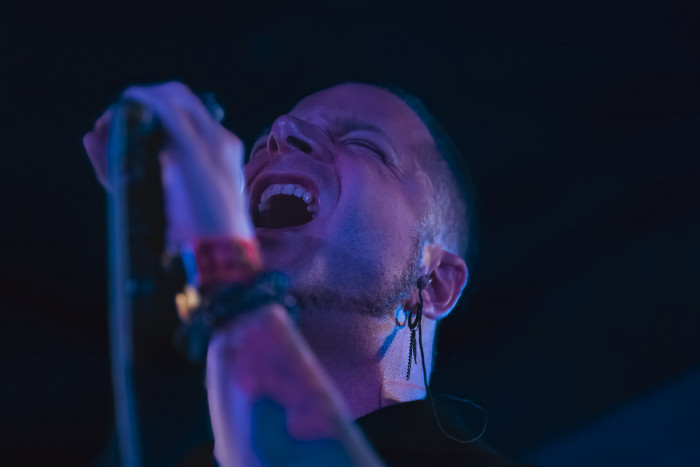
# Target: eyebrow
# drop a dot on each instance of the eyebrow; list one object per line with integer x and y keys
{"x": 342, "y": 124}
{"x": 346, "y": 124}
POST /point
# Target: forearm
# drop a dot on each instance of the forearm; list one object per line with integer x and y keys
{"x": 270, "y": 399}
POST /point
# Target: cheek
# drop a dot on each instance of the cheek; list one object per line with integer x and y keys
{"x": 373, "y": 203}
{"x": 374, "y": 226}
{"x": 377, "y": 224}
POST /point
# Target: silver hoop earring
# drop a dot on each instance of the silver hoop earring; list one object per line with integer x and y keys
{"x": 405, "y": 316}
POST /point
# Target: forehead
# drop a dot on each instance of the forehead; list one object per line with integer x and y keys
{"x": 368, "y": 104}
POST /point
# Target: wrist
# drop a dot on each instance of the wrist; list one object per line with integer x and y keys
{"x": 226, "y": 259}
{"x": 227, "y": 302}
{"x": 213, "y": 264}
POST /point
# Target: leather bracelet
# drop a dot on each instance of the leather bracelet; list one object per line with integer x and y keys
{"x": 227, "y": 260}
{"x": 231, "y": 301}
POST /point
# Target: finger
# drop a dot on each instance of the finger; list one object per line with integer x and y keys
{"x": 104, "y": 121}
{"x": 184, "y": 97}
{"x": 181, "y": 112}
{"x": 95, "y": 144}
{"x": 178, "y": 124}
{"x": 97, "y": 155}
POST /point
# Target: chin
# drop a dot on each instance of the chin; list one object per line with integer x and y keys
{"x": 287, "y": 253}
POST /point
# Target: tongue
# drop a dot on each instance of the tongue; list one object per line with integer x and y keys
{"x": 284, "y": 211}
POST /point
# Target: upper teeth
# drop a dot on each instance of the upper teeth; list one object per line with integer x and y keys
{"x": 286, "y": 189}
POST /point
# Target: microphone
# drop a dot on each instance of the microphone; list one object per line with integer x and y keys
{"x": 151, "y": 267}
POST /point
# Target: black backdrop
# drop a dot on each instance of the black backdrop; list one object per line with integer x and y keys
{"x": 581, "y": 125}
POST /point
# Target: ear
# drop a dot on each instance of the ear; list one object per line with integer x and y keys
{"x": 448, "y": 273}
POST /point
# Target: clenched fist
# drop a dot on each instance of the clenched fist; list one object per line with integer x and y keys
{"x": 201, "y": 162}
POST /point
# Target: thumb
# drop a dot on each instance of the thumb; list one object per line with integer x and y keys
{"x": 95, "y": 144}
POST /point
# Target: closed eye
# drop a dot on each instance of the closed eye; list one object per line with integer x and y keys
{"x": 366, "y": 145}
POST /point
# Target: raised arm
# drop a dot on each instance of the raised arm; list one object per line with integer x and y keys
{"x": 270, "y": 400}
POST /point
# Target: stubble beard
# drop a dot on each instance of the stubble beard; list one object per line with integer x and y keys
{"x": 377, "y": 300}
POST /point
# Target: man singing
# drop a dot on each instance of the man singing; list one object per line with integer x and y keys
{"x": 350, "y": 195}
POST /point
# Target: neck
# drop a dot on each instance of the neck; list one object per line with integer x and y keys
{"x": 367, "y": 357}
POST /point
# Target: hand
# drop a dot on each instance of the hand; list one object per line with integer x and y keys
{"x": 201, "y": 163}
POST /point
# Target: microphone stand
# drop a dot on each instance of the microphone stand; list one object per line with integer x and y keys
{"x": 142, "y": 275}
{"x": 136, "y": 239}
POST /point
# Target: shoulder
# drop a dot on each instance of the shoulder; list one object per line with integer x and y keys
{"x": 408, "y": 434}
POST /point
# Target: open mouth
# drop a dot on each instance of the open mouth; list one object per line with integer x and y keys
{"x": 285, "y": 205}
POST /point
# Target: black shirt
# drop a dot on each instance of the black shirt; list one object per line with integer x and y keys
{"x": 407, "y": 434}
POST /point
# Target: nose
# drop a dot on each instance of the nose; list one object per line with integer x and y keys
{"x": 289, "y": 134}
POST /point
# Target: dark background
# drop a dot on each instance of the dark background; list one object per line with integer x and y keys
{"x": 580, "y": 121}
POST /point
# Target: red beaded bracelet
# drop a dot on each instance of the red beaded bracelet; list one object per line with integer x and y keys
{"x": 227, "y": 260}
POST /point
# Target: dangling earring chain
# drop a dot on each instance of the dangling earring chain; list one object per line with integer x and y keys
{"x": 416, "y": 324}
{"x": 412, "y": 350}
{"x": 413, "y": 325}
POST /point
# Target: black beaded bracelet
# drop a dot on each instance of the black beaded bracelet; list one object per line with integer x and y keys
{"x": 193, "y": 335}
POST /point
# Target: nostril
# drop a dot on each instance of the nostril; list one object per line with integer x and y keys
{"x": 299, "y": 144}
{"x": 272, "y": 143}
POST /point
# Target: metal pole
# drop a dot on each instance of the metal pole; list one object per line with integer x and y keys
{"x": 120, "y": 310}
